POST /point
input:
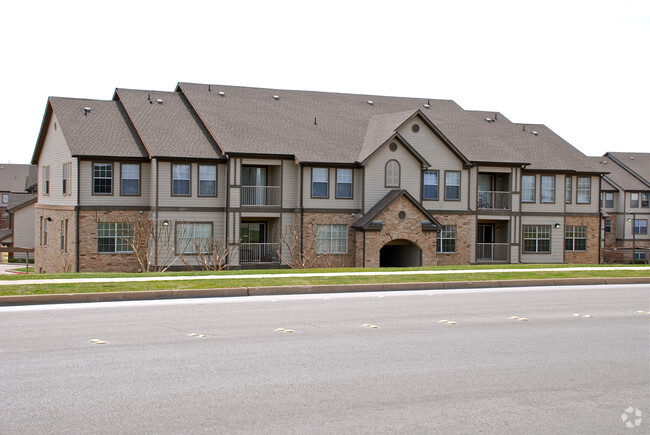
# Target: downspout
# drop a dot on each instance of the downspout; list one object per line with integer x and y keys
{"x": 227, "y": 203}
{"x": 76, "y": 223}
{"x": 302, "y": 208}
{"x": 364, "y": 248}
{"x": 600, "y": 219}
{"x": 155, "y": 260}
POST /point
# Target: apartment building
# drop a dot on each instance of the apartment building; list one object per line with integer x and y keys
{"x": 625, "y": 204}
{"x": 309, "y": 178}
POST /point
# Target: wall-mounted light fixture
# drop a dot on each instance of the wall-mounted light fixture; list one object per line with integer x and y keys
{"x": 557, "y": 225}
{"x": 49, "y": 219}
{"x": 165, "y": 223}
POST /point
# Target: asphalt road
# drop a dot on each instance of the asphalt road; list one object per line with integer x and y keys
{"x": 488, "y": 373}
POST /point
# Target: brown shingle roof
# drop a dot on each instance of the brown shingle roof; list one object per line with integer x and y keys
{"x": 20, "y": 200}
{"x": 639, "y": 163}
{"x": 167, "y": 124}
{"x": 13, "y": 177}
{"x": 367, "y": 219}
{"x": 104, "y": 131}
{"x": 618, "y": 176}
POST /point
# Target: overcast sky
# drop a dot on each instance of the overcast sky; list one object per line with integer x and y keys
{"x": 580, "y": 67}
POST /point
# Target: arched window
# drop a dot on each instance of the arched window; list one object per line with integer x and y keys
{"x": 392, "y": 173}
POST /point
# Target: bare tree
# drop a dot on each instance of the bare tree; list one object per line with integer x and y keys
{"x": 152, "y": 243}
{"x": 210, "y": 255}
{"x": 309, "y": 257}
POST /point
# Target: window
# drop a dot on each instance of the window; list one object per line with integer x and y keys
{"x": 567, "y": 189}
{"x": 44, "y": 231}
{"x": 584, "y": 190}
{"x": 430, "y": 190}
{"x": 537, "y": 239}
{"x": 645, "y": 200}
{"x": 5, "y": 198}
{"x": 181, "y": 180}
{"x": 344, "y": 183}
{"x": 634, "y": 200}
{"x": 102, "y": 178}
{"x": 331, "y": 239}
{"x": 114, "y": 237}
{"x": 64, "y": 178}
{"x": 392, "y": 173}
{"x": 640, "y": 226}
{"x": 207, "y": 180}
{"x": 452, "y": 185}
{"x": 609, "y": 200}
{"x": 548, "y": 188}
{"x": 5, "y": 215}
{"x": 46, "y": 180}
{"x": 639, "y": 255}
{"x": 527, "y": 188}
{"x": 575, "y": 238}
{"x": 320, "y": 182}
{"x": 193, "y": 237}
{"x": 446, "y": 242}
{"x": 608, "y": 225}
{"x": 130, "y": 178}
{"x": 64, "y": 235}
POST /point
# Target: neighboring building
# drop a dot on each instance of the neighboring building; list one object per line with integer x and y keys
{"x": 337, "y": 179}
{"x": 14, "y": 179}
{"x": 625, "y": 204}
{"x": 21, "y": 224}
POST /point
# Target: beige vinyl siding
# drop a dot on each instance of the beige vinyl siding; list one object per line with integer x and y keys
{"x": 545, "y": 207}
{"x": 150, "y": 181}
{"x": 410, "y": 174}
{"x": 54, "y": 154}
{"x": 86, "y": 186}
{"x": 593, "y": 206}
{"x": 165, "y": 198}
{"x": 290, "y": 184}
{"x": 557, "y": 239}
{"x": 24, "y": 230}
{"x": 442, "y": 159}
{"x": 331, "y": 202}
{"x": 288, "y": 225}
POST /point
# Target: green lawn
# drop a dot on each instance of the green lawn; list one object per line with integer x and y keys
{"x": 597, "y": 272}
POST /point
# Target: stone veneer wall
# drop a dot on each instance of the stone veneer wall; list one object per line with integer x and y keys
{"x": 463, "y": 239}
{"x": 393, "y": 229}
{"x": 310, "y": 223}
{"x": 50, "y": 258}
{"x": 590, "y": 256}
{"x": 92, "y": 261}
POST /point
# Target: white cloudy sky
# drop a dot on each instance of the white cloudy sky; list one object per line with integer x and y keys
{"x": 580, "y": 67}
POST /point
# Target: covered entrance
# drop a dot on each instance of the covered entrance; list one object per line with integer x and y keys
{"x": 400, "y": 253}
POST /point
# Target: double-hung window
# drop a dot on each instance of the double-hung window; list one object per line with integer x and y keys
{"x": 537, "y": 239}
{"x": 584, "y": 190}
{"x": 640, "y": 226}
{"x": 548, "y": 188}
{"x": 102, "y": 178}
{"x": 331, "y": 239}
{"x": 609, "y": 200}
{"x": 207, "y": 180}
{"x": 446, "y": 242}
{"x": 344, "y": 183}
{"x": 130, "y": 182}
{"x": 65, "y": 173}
{"x": 114, "y": 237}
{"x": 575, "y": 238}
{"x": 320, "y": 182}
{"x": 452, "y": 185}
{"x": 181, "y": 179}
{"x": 634, "y": 200}
{"x": 608, "y": 225}
{"x": 46, "y": 180}
{"x": 430, "y": 182}
{"x": 5, "y": 198}
{"x": 392, "y": 175}
{"x": 645, "y": 200}
{"x": 527, "y": 188}
{"x": 193, "y": 237}
{"x": 568, "y": 189}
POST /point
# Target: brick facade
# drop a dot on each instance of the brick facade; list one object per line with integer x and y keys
{"x": 394, "y": 228}
{"x": 51, "y": 253}
{"x": 310, "y": 224}
{"x": 590, "y": 256}
{"x": 463, "y": 239}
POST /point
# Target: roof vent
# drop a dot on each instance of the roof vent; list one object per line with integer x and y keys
{"x": 426, "y": 106}
{"x": 370, "y": 102}
{"x": 222, "y": 94}
{"x": 489, "y": 119}
{"x": 631, "y": 158}
{"x": 159, "y": 101}
{"x": 86, "y": 111}
{"x": 276, "y": 97}
{"x": 535, "y": 133}
{"x": 604, "y": 162}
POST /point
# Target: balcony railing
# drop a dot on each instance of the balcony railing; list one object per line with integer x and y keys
{"x": 497, "y": 252}
{"x": 260, "y": 195}
{"x": 493, "y": 200}
{"x": 259, "y": 253}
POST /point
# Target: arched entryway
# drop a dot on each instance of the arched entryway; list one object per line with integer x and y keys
{"x": 400, "y": 253}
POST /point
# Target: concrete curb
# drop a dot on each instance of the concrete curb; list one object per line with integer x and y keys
{"x": 70, "y": 298}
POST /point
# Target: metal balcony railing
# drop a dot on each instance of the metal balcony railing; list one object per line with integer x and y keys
{"x": 497, "y": 252}
{"x": 260, "y": 195}
{"x": 259, "y": 253}
{"x": 493, "y": 200}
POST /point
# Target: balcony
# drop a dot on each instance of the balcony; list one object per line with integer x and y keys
{"x": 493, "y": 200}
{"x": 493, "y": 252}
{"x": 259, "y": 253}
{"x": 260, "y": 196}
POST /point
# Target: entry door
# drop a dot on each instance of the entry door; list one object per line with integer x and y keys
{"x": 485, "y": 187}
{"x": 486, "y": 240}
{"x": 254, "y": 176}
{"x": 253, "y": 234}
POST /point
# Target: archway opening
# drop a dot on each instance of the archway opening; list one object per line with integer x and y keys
{"x": 400, "y": 253}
